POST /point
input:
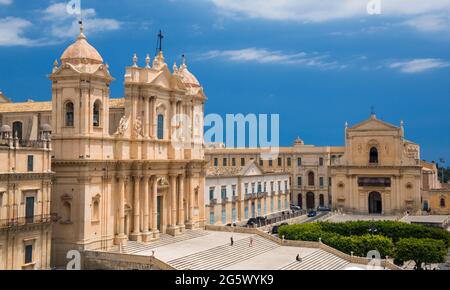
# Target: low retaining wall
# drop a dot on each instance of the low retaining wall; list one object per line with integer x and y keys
{"x": 117, "y": 261}
{"x": 303, "y": 244}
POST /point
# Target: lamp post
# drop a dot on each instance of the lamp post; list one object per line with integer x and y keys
{"x": 442, "y": 161}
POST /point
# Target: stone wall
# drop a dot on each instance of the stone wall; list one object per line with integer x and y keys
{"x": 116, "y": 261}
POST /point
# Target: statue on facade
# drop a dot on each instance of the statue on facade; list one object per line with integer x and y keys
{"x": 138, "y": 127}
{"x": 123, "y": 126}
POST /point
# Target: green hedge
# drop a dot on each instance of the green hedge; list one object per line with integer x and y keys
{"x": 355, "y": 237}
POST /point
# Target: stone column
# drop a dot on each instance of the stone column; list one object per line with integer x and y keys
{"x": 121, "y": 238}
{"x": 153, "y": 121}
{"x": 135, "y": 236}
{"x": 146, "y": 117}
{"x": 155, "y": 207}
{"x": 181, "y": 201}
{"x": 145, "y": 226}
{"x": 172, "y": 230}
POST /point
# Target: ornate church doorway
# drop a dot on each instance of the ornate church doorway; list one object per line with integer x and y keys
{"x": 300, "y": 200}
{"x": 310, "y": 202}
{"x": 375, "y": 203}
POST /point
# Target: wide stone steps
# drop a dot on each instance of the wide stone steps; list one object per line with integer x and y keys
{"x": 136, "y": 247}
{"x": 319, "y": 260}
{"x": 225, "y": 255}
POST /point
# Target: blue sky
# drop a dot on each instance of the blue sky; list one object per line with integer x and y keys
{"x": 316, "y": 63}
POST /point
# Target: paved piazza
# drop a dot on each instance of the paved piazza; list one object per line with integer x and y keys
{"x": 210, "y": 250}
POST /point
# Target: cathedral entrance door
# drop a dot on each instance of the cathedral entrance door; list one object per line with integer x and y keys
{"x": 310, "y": 202}
{"x": 375, "y": 203}
{"x": 159, "y": 212}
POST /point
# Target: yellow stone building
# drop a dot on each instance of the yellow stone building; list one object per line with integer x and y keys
{"x": 380, "y": 171}
{"x": 124, "y": 168}
{"x": 435, "y": 195}
{"x": 25, "y": 194}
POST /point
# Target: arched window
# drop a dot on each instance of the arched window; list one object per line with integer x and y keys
{"x": 311, "y": 179}
{"x": 67, "y": 212}
{"x": 160, "y": 127}
{"x": 322, "y": 200}
{"x": 69, "y": 108}
{"x": 17, "y": 130}
{"x": 442, "y": 202}
{"x": 373, "y": 155}
{"x": 96, "y": 114}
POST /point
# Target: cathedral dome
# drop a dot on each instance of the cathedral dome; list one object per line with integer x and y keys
{"x": 186, "y": 76}
{"x": 81, "y": 52}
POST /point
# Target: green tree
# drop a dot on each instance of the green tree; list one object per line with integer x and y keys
{"x": 420, "y": 251}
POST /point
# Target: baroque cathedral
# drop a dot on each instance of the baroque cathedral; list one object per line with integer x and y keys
{"x": 124, "y": 169}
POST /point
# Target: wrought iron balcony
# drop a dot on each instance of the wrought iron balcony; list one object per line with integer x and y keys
{"x": 33, "y": 220}
{"x": 224, "y": 200}
{"x": 235, "y": 198}
{"x": 213, "y": 202}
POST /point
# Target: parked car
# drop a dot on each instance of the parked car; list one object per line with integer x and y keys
{"x": 295, "y": 208}
{"x": 323, "y": 208}
{"x": 252, "y": 221}
{"x": 276, "y": 228}
{"x": 312, "y": 214}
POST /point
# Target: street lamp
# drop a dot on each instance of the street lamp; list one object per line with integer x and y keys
{"x": 442, "y": 161}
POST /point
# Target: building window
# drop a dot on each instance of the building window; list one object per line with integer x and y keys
{"x": 29, "y": 209}
{"x": 311, "y": 177}
{"x": 224, "y": 162}
{"x": 320, "y": 161}
{"x": 211, "y": 217}
{"x": 253, "y": 187}
{"x": 233, "y": 161}
{"x": 69, "y": 114}
{"x": 322, "y": 200}
{"x": 299, "y": 181}
{"x": 160, "y": 127}
{"x": 246, "y": 212}
{"x": 234, "y": 214}
{"x": 289, "y": 163}
{"x": 270, "y": 163}
{"x": 271, "y": 186}
{"x": 285, "y": 187}
{"x": 271, "y": 205}
{"x": 261, "y": 162}
{"x": 242, "y": 161}
{"x": 96, "y": 115}
{"x": 259, "y": 208}
{"x": 224, "y": 216}
{"x": 211, "y": 193}
{"x": 259, "y": 187}
{"x": 246, "y": 188}
{"x": 223, "y": 192}
{"x": 28, "y": 254}
{"x": 321, "y": 181}
{"x": 280, "y": 162}
{"x": 17, "y": 130}
{"x": 442, "y": 203}
{"x": 279, "y": 204}
{"x": 30, "y": 163}
{"x": 216, "y": 162}
{"x": 233, "y": 188}
{"x": 373, "y": 155}
{"x": 299, "y": 162}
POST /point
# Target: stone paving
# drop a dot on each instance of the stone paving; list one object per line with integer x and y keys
{"x": 210, "y": 250}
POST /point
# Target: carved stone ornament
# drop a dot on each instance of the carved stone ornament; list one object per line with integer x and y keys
{"x": 123, "y": 126}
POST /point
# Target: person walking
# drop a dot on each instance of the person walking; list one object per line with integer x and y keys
{"x": 232, "y": 241}
{"x": 251, "y": 242}
{"x": 298, "y": 258}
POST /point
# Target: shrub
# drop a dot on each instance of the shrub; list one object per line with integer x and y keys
{"x": 420, "y": 251}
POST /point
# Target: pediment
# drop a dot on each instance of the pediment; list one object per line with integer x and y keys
{"x": 374, "y": 125}
{"x": 252, "y": 170}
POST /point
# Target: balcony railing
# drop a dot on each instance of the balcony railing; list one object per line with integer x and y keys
{"x": 213, "y": 201}
{"x": 224, "y": 200}
{"x": 22, "y": 221}
{"x": 235, "y": 198}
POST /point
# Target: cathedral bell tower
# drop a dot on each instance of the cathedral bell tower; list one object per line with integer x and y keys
{"x": 80, "y": 99}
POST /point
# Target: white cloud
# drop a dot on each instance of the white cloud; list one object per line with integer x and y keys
{"x": 12, "y": 32}
{"x": 63, "y": 25}
{"x": 329, "y": 10}
{"x": 419, "y": 65}
{"x": 6, "y": 2}
{"x": 430, "y": 23}
{"x": 264, "y": 56}
{"x": 54, "y": 23}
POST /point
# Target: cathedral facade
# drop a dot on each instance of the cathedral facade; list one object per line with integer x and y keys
{"x": 380, "y": 171}
{"x": 125, "y": 169}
